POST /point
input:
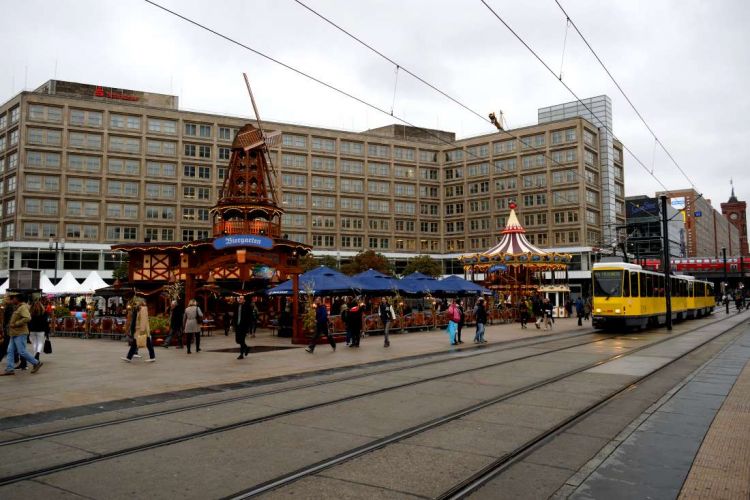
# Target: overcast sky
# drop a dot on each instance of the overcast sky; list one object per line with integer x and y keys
{"x": 684, "y": 64}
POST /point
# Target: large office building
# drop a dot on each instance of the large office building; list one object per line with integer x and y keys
{"x": 96, "y": 166}
{"x": 707, "y": 231}
{"x": 645, "y": 236}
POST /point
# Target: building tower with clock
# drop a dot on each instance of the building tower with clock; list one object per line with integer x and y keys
{"x": 735, "y": 211}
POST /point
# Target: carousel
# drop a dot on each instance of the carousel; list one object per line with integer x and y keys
{"x": 248, "y": 251}
{"x": 514, "y": 268}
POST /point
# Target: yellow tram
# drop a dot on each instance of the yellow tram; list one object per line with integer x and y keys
{"x": 627, "y": 295}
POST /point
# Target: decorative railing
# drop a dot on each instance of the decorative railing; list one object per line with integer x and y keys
{"x": 260, "y": 227}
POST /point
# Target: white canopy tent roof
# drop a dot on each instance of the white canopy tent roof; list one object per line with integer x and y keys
{"x": 46, "y": 285}
{"x": 93, "y": 282}
{"x": 4, "y": 287}
{"x": 68, "y": 285}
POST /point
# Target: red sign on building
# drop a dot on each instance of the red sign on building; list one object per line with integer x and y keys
{"x": 100, "y": 92}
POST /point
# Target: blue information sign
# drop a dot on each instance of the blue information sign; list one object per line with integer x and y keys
{"x": 243, "y": 240}
{"x": 698, "y": 213}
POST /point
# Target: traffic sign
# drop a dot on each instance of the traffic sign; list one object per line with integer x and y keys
{"x": 698, "y": 213}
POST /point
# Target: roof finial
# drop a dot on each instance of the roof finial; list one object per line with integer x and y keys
{"x": 732, "y": 198}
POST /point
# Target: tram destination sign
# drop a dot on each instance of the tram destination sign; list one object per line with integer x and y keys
{"x": 243, "y": 240}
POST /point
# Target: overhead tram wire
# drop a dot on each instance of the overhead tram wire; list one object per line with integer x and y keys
{"x": 606, "y": 70}
{"x": 351, "y": 96}
{"x": 400, "y": 67}
{"x": 572, "y": 92}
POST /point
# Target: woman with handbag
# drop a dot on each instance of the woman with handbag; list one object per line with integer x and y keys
{"x": 38, "y": 328}
{"x": 140, "y": 332}
{"x": 191, "y": 325}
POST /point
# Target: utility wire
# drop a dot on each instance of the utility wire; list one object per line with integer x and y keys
{"x": 572, "y": 92}
{"x": 430, "y": 85}
{"x": 351, "y": 96}
{"x": 569, "y": 20}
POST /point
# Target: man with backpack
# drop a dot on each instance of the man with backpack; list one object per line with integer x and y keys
{"x": 454, "y": 317}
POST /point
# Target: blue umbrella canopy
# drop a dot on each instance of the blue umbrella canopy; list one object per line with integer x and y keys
{"x": 372, "y": 281}
{"x": 465, "y": 287}
{"x": 418, "y": 283}
{"x": 322, "y": 281}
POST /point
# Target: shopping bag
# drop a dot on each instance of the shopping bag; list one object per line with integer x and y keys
{"x": 47, "y": 347}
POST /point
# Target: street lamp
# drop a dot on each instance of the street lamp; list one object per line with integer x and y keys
{"x": 58, "y": 245}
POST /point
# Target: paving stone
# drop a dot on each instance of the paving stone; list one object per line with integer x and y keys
{"x": 125, "y": 435}
{"x": 535, "y": 417}
{"x": 567, "y": 451}
{"x": 523, "y": 480}
{"x": 473, "y": 436}
{"x": 32, "y": 489}
{"x": 213, "y": 466}
{"x": 326, "y": 487}
{"x": 37, "y": 455}
{"x": 417, "y": 470}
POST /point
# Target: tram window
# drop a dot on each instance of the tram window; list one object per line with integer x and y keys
{"x": 691, "y": 289}
{"x": 626, "y": 285}
{"x": 659, "y": 286}
{"x": 634, "y": 284}
{"x": 647, "y": 285}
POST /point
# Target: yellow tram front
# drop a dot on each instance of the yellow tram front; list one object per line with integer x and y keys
{"x": 626, "y": 295}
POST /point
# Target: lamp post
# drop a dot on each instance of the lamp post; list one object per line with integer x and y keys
{"x": 726, "y": 279}
{"x": 56, "y": 244}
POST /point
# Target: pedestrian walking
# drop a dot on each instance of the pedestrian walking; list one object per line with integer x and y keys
{"x": 254, "y": 316}
{"x": 38, "y": 328}
{"x": 523, "y": 309}
{"x": 18, "y": 332}
{"x": 321, "y": 327}
{"x": 385, "y": 310}
{"x": 191, "y": 325}
{"x": 454, "y": 316}
{"x": 354, "y": 322}
{"x": 7, "y": 313}
{"x": 175, "y": 324}
{"x": 461, "y": 322}
{"x": 579, "y": 310}
{"x": 227, "y": 319}
{"x": 480, "y": 316}
{"x": 243, "y": 320}
{"x": 587, "y": 307}
{"x": 140, "y": 332}
{"x": 538, "y": 309}
{"x": 548, "y": 314}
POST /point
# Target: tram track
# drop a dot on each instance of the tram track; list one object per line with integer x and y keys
{"x": 209, "y": 404}
{"x": 397, "y": 437}
{"x": 7, "y": 480}
{"x": 14, "y": 478}
{"x": 497, "y": 467}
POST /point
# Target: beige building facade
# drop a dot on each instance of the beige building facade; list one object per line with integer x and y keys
{"x": 707, "y": 230}
{"x": 97, "y": 166}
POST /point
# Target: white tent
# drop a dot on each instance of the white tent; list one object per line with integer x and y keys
{"x": 93, "y": 282}
{"x": 69, "y": 286}
{"x": 46, "y": 285}
{"x": 4, "y": 287}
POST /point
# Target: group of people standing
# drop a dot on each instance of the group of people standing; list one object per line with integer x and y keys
{"x": 456, "y": 319}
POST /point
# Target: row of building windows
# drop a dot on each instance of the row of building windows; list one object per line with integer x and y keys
{"x": 95, "y": 119}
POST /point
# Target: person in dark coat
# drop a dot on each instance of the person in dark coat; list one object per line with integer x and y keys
{"x": 579, "y": 310}
{"x": 354, "y": 322}
{"x": 480, "y": 316}
{"x": 242, "y": 319}
{"x": 461, "y": 322}
{"x": 321, "y": 327}
{"x": 385, "y": 311}
{"x": 175, "y": 324}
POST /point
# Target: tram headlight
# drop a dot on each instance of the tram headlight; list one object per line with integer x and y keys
{"x": 598, "y": 310}
{"x": 617, "y": 311}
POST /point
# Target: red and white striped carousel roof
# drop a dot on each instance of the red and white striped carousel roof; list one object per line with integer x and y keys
{"x": 513, "y": 240}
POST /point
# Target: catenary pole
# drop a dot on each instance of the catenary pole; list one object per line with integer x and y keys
{"x": 665, "y": 260}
